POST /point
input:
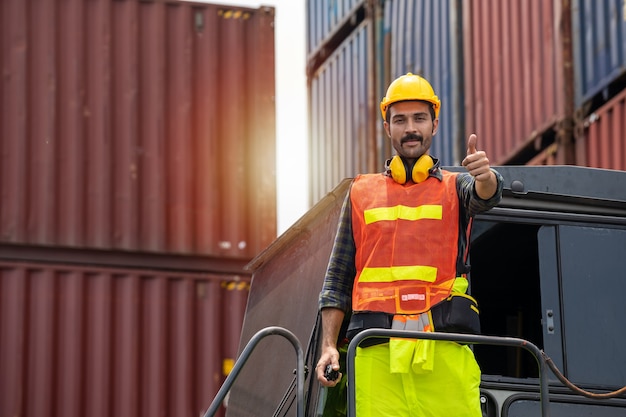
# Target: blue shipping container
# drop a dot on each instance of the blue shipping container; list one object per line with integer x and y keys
{"x": 325, "y": 17}
{"x": 424, "y": 39}
{"x": 342, "y": 115}
{"x": 599, "y": 43}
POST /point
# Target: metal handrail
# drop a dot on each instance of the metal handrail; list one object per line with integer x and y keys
{"x": 245, "y": 355}
{"x": 453, "y": 337}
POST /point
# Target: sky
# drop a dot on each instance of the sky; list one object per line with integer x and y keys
{"x": 291, "y": 106}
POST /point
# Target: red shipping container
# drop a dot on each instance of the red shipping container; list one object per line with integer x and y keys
{"x": 517, "y": 86}
{"x": 87, "y": 341}
{"x": 138, "y": 126}
{"x": 600, "y": 136}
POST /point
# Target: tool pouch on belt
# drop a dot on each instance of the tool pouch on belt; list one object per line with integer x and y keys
{"x": 456, "y": 314}
{"x": 369, "y": 320}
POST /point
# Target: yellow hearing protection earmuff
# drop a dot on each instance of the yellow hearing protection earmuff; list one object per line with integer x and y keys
{"x": 419, "y": 171}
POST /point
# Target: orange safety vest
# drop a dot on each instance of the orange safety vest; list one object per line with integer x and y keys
{"x": 406, "y": 239}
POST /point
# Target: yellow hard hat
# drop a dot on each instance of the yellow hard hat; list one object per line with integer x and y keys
{"x": 409, "y": 87}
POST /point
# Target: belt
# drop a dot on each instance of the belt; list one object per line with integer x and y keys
{"x": 369, "y": 320}
{"x": 379, "y": 320}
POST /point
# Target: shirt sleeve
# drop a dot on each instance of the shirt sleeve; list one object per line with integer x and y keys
{"x": 339, "y": 280}
{"x": 470, "y": 201}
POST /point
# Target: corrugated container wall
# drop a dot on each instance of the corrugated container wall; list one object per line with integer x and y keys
{"x": 599, "y": 47}
{"x": 342, "y": 114}
{"x": 87, "y": 341}
{"x": 327, "y": 16}
{"x": 424, "y": 38}
{"x": 137, "y": 125}
{"x": 515, "y": 87}
{"x": 600, "y": 137}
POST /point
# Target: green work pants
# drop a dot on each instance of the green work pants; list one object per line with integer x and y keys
{"x": 417, "y": 378}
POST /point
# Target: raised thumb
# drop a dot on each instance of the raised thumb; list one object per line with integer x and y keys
{"x": 471, "y": 144}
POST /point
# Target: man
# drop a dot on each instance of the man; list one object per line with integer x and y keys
{"x": 400, "y": 250}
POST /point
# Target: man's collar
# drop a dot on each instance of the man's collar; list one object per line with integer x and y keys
{"x": 435, "y": 171}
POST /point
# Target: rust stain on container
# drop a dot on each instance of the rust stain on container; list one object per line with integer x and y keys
{"x": 138, "y": 125}
{"x": 600, "y": 137}
{"x": 82, "y": 341}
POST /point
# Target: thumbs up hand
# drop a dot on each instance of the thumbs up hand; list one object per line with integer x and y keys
{"x": 477, "y": 165}
{"x": 476, "y": 162}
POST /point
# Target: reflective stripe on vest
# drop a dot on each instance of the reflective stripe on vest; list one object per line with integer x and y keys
{"x": 402, "y": 212}
{"x": 406, "y": 238}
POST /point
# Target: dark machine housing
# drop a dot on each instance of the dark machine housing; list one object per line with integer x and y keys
{"x": 546, "y": 266}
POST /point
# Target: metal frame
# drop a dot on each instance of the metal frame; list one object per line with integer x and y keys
{"x": 245, "y": 355}
{"x": 454, "y": 337}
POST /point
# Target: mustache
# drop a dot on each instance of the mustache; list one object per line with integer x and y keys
{"x": 412, "y": 136}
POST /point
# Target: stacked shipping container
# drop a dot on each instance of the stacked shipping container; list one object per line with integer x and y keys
{"x": 137, "y": 177}
{"x": 599, "y": 37}
{"x": 423, "y": 38}
{"x": 348, "y": 76}
{"x": 125, "y": 125}
{"x": 340, "y": 86}
{"x": 515, "y": 75}
{"x": 340, "y": 103}
{"x": 600, "y": 137}
{"x": 103, "y": 341}
{"x": 523, "y": 75}
{"x": 330, "y": 16}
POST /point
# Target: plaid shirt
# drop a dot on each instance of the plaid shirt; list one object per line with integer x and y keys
{"x": 341, "y": 271}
